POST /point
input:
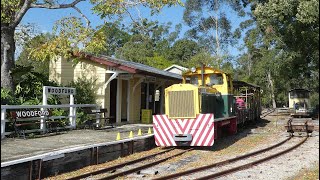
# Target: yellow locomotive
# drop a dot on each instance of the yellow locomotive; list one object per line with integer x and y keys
{"x": 198, "y": 110}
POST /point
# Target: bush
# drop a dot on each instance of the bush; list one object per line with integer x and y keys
{"x": 314, "y": 99}
{"x": 85, "y": 94}
{"x": 6, "y": 97}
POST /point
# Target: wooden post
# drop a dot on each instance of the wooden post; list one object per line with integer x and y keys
{"x": 128, "y": 101}
{"x": 3, "y": 123}
{"x": 44, "y": 102}
{"x": 72, "y": 119}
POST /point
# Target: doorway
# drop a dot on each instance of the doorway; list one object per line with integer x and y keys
{"x": 113, "y": 100}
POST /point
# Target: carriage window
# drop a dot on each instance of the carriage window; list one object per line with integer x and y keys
{"x": 194, "y": 80}
{"x": 216, "y": 79}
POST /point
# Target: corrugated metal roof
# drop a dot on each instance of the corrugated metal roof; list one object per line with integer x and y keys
{"x": 142, "y": 68}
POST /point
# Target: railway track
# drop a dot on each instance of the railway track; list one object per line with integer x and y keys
{"x": 269, "y": 111}
{"x": 116, "y": 171}
{"x": 233, "y": 160}
{"x": 117, "y": 167}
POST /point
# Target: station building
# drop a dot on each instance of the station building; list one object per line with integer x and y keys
{"x": 124, "y": 88}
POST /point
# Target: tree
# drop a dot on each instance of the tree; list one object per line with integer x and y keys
{"x": 210, "y": 26}
{"x": 12, "y": 11}
{"x": 295, "y": 24}
{"x": 182, "y": 51}
{"x": 24, "y": 59}
{"x": 149, "y": 43}
{"x": 115, "y": 38}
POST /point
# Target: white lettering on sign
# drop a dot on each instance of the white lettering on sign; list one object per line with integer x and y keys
{"x": 25, "y": 114}
{"x": 60, "y": 90}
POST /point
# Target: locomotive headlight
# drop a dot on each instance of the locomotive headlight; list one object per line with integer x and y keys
{"x": 193, "y": 69}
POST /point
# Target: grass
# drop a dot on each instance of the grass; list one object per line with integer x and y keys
{"x": 307, "y": 174}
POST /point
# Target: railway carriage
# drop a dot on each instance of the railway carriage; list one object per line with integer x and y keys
{"x": 251, "y": 94}
{"x": 199, "y": 110}
{"x": 299, "y": 101}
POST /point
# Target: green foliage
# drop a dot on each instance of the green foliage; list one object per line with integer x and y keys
{"x": 8, "y": 9}
{"x": 158, "y": 61}
{"x": 29, "y": 86}
{"x": 209, "y": 24}
{"x": 111, "y": 7}
{"x": 314, "y": 99}
{"x": 149, "y": 43}
{"x": 295, "y": 27}
{"x": 201, "y": 58}
{"x": 115, "y": 37}
{"x": 283, "y": 43}
{"x": 61, "y": 112}
{"x": 6, "y": 97}
{"x": 25, "y": 60}
{"x": 85, "y": 91}
{"x": 85, "y": 94}
{"x": 182, "y": 50}
{"x": 137, "y": 49}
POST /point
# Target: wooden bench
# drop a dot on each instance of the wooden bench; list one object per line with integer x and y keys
{"x": 94, "y": 115}
{"x": 21, "y": 125}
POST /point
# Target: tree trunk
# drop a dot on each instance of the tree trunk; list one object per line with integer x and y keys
{"x": 7, "y": 57}
{"x": 273, "y": 99}
{"x": 249, "y": 64}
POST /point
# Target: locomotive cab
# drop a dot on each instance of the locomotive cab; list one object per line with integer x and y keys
{"x": 215, "y": 90}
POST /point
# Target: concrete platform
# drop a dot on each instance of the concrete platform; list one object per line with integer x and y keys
{"x": 36, "y": 158}
{"x": 16, "y": 148}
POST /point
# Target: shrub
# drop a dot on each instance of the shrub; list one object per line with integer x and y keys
{"x": 85, "y": 94}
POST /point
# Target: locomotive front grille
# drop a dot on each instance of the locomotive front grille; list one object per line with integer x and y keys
{"x": 181, "y": 104}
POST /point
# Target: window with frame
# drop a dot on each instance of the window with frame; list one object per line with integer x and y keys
{"x": 216, "y": 79}
{"x": 194, "y": 80}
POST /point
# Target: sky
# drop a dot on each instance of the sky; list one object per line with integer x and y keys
{"x": 44, "y": 19}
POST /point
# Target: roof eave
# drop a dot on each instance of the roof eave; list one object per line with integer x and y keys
{"x": 107, "y": 63}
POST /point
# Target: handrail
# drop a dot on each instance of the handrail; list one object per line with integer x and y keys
{"x": 46, "y": 106}
{"x": 72, "y": 114}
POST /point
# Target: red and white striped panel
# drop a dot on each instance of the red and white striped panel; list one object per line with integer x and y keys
{"x": 201, "y": 128}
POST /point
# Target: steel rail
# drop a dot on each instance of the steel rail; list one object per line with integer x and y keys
{"x": 118, "y": 165}
{"x": 248, "y": 165}
{"x": 221, "y": 163}
{"x": 113, "y": 176}
{"x": 267, "y": 113}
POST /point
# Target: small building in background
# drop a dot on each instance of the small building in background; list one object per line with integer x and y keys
{"x": 176, "y": 69}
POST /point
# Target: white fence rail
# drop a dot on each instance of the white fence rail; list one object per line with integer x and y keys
{"x": 72, "y": 114}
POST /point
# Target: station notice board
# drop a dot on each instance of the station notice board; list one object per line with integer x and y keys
{"x": 146, "y": 116}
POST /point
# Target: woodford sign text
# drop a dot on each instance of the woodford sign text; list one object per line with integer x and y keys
{"x": 60, "y": 90}
{"x": 30, "y": 113}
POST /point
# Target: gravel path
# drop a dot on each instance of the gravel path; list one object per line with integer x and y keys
{"x": 286, "y": 166}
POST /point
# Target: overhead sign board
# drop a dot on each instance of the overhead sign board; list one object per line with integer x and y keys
{"x": 60, "y": 90}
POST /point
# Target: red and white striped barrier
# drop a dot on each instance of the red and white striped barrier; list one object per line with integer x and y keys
{"x": 201, "y": 129}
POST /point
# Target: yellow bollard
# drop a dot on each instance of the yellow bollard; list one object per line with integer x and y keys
{"x": 139, "y": 132}
{"x": 149, "y": 131}
{"x": 131, "y": 134}
{"x": 118, "y": 136}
